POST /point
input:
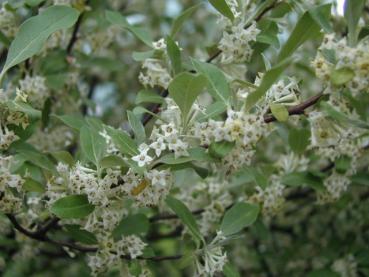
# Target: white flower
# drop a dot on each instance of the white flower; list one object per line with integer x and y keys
{"x": 158, "y": 145}
{"x": 142, "y": 158}
{"x": 160, "y": 44}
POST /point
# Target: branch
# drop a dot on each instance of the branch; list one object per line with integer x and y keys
{"x": 298, "y": 109}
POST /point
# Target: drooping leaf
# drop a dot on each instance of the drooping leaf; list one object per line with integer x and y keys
{"x": 72, "y": 206}
{"x": 185, "y": 215}
{"x": 241, "y": 215}
{"x": 64, "y": 157}
{"x": 32, "y": 185}
{"x": 34, "y": 32}
{"x": 184, "y": 89}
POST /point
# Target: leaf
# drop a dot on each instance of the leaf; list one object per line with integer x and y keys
{"x": 34, "y": 3}
{"x": 64, "y": 157}
{"x": 306, "y": 28}
{"x": 280, "y": 112}
{"x": 213, "y": 110}
{"x": 45, "y": 114}
{"x": 342, "y": 164}
{"x": 78, "y": 234}
{"x": 137, "y": 127}
{"x": 195, "y": 154}
{"x": 230, "y": 271}
{"x": 148, "y": 96}
{"x": 186, "y": 217}
{"x": 323, "y": 273}
{"x": 118, "y": 19}
{"x": 352, "y": 11}
{"x": 37, "y": 158}
{"x": 73, "y": 206}
{"x": 217, "y": 82}
{"x": 222, "y": 7}
{"x": 268, "y": 80}
{"x": 34, "y": 32}
{"x": 123, "y": 141}
{"x": 220, "y": 149}
{"x": 341, "y": 76}
{"x": 93, "y": 145}
{"x": 174, "y": 54}
{"x": 361, "y": 178}
{"x": 184, "y": 89}
{"x": 24, "y": 108}
{"x": 299, "y": 179}
{"x": 112, "y": 161}
{"x": 298, "y": 140}
{"x": 342, "y": 117}
{"x": 74, "y": 121}
{"x": 33, "y": 186}
{"x": 241, "y": 215}
{"x": 141, "y": 56}
{"x": 321, "y": 15}
{"x": 135, "y": 224}
{"x": 178, "y": 22}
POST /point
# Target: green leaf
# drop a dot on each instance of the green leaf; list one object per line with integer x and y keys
{"x": 33, "y": 186}
{"x": 217, "y": 82}
{"x": 268, "y": 80}
{"x": 78, "y": 234}
{"x": 298, "y": 140}
{"x": 37, "y": 158}
{"x": 74, "y": 121}
{"x": 34, "y": 32}
{"x": 341, "y": 117}
{"x": 341, "y": 76}
{"x": 118, "y": 19}
{"x": 73, "y": 206}
{"x": 45, "y": 114}
{"x": 222, "y": 7}
{"x": 93, "y": 145}
{"x": 186, "y": 217}
{"x": 141, "y": 56}
{"x": 148, "y": 96}
{"x": 112, "y": 161}
{"x": 361, "y": 178}
{"x": 213, "y": 110}
{"x": 34, "y": 3}
{"x": 230, "y": 271}
{"x": 221, "y": 149}
{"x": 64, "y": 157}
{"x": 137, "y": 127}
{"x": 306, "y": 29}
{"x": 280, "y": 112}
{"x": 195, "y": 154}
{"x": 178, "y": 22}
{"x": 342, "y": 164}
{"x": 174, "y": 54}
{"x": 321, "y": 15}
{"x": 322, "y": 273}
{"x": 136, "y": 224}
{"x": 241, "y": 215}
{"x": 24, "y": 108}
{"x": 353, "y": 10}
{"x": 184, "y": 89}
{"x": 123, "y": 141}
{"x": 299, "y": 179}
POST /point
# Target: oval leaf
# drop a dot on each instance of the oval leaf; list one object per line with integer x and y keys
{"x": 73, "y": 206}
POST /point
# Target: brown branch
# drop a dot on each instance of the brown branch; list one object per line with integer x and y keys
{"x": 298, "y": 109}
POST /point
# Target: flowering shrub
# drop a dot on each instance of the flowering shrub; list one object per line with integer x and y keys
{"x": 235, "y": 143}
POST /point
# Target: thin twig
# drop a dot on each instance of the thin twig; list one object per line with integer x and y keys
{"x": 298, "y": 109}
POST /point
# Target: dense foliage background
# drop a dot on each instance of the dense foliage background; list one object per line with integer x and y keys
{"x": 184, "y": 138}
